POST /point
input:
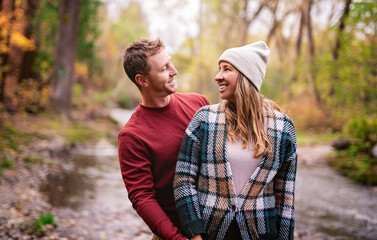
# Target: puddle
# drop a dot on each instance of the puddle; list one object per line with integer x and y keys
{"x": 92, "y": 178}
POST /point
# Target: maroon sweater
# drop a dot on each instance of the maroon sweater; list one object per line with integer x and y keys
{"x": 148, "y": 148}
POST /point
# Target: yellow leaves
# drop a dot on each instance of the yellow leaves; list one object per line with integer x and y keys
{"x": 12, "y": 29}
{"x": 4, "y": 31}
{"x": 16, "y": 39}
{"x": 81, "y": 70}
{"x": 19, "y": 14}
{"x": 19, "y": 40}
{"x": 3, "y": 48}
{"x": 3, "y": 19}
{"x": 45, "y": 65}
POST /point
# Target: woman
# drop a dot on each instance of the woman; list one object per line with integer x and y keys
{"x": 236, "y": 169}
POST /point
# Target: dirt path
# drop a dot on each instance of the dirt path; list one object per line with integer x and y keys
{"x": 316, "y": 154}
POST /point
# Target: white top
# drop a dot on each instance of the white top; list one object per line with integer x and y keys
{"x": 242, "y": 163}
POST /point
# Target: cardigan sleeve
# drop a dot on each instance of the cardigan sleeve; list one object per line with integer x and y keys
{"x": 185, "y": 180}
{"x": 285, "y": 182}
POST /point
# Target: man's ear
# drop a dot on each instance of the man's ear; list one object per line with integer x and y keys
{"x": 141, "y": 80}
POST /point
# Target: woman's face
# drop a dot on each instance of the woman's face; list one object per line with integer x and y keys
{"x": 227, "y": 80}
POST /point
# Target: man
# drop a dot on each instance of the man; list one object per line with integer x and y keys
{"x": 149, "y": 143}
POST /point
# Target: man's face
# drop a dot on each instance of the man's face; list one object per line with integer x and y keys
{"x": 161, "y": 74}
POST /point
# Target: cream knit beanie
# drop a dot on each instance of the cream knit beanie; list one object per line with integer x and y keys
{"x": 250, "y": 60}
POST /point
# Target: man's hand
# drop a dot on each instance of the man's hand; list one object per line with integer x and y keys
{"x": 197, "y": 237}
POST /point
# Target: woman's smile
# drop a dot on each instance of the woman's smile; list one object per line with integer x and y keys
{"x": 223, "y": 87}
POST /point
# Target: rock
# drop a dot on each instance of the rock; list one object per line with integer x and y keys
{"x": 374, "y": 151}
{"x": 341, "y": 144}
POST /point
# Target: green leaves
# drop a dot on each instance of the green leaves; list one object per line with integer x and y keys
{"x": 364, "y": 129}
{"x": 89, "y": 32}
{"x": 45, "y": 27}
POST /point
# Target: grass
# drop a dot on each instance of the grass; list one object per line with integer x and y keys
{"x": 73, "y": 132}
{"x": 6, "y": 163}
{"x": 30, "y": 161}
{"x": 40, "y": 224}
{"x": 305, "y": 138}
{"x": 11, "y": 138}
{"x": 33, "y": 160}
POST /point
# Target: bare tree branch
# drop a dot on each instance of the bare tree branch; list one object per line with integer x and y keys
{"x": 247, "y": 20}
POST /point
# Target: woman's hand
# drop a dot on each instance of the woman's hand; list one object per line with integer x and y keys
{"x": 197, "y": 237}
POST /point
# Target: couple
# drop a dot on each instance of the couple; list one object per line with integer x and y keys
{"x": 199, "y": 171}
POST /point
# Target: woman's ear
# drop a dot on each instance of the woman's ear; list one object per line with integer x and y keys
{"x": 141, "y": 80}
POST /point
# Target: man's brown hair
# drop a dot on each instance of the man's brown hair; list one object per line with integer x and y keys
{"x": 135, "y": 57}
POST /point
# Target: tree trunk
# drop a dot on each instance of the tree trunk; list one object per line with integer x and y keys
{"x": 299, "y": 40}
{"x": 63, "y": 73}
{"x": 275, "y": 23}
{"x": 247, "y": 20}
{"x": 310, "y": 30}
{"x": 305, "y": 23}
{"x": 336, "y": 47}
{"x": 29, "y": 56}
{"x": 301, "y": 31}
{"x": 312, "y": 76}
{"x": 245, "y": 24}
{"x": 342, "y": 25}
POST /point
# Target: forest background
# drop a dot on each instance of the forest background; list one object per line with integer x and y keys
{"x": 64, "y": 57}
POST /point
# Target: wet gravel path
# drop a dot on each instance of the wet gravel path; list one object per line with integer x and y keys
{"x": 85, "y": 193}
{"x": 82, "y": 200}
{"x": 104, "y": 224}
{"x": 86, "y": 196}
{"x": 90, "y": 200}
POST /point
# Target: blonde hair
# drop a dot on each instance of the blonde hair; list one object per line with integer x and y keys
{"x": 245, "y": 117}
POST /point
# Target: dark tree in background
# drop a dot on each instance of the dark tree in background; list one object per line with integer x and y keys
{"x": 63, "y": 73}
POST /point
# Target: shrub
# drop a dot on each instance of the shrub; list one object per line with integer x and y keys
{"x": 358, "y": 167}
{"x": 364, "y": 129}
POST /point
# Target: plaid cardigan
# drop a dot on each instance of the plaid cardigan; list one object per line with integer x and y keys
{"x": 204, "y": 189}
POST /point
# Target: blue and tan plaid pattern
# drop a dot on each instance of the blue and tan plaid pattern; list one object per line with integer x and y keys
{"x": 204, "y": 189}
